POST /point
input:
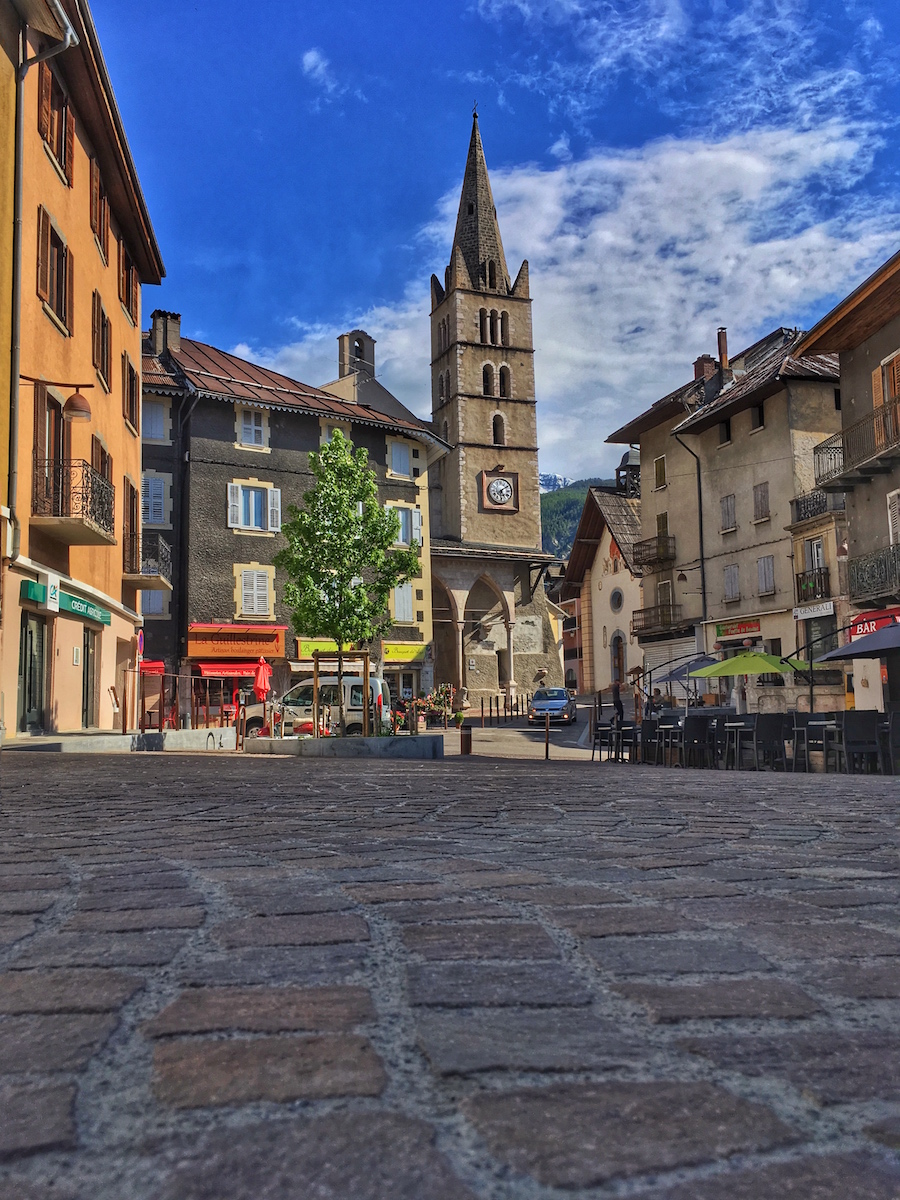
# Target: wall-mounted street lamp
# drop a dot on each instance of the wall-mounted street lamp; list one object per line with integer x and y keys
{"x": 77, "y": 407}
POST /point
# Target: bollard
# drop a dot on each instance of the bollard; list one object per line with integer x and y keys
{"x": 482, "y": 712}
{"x": 547, "y": 735}
{"x": 465, "y": 739}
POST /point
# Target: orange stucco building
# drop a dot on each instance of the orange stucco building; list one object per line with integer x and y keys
{"x": 71, "y": 556}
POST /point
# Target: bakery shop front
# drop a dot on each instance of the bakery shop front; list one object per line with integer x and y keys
{"x": 229, "y": 653}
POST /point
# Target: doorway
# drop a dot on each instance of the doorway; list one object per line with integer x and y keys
{"x": 32, "y": 673}
{"x": 89, "y": 680}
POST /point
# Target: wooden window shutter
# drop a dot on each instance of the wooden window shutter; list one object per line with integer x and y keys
{"x": 95, "y": 329}
{"x": 125, "y": 387}
{"x": 104, "y": 224}
{"x": 40, "y": 421}
{"x": 43, "y": 254}
{"x": 877, "y": 388}
{"x": 248, "y": 592}
{"x": 70, "y": 146}
{"x": 95, "y": 198}
{"x": 274, "y": 509}
{"x": 70, "y": 291}
{"x": 96, "y": 462}
{"x": 108, "y": 348}
{"x": 893, "y": 503}
{"x": 895, "y": 378}
{"x": 234, "y": 505}
{"x": 134, "y": 384}
{"x": 417, "y": 525}
{"x": 134, "y": 295}
{"x": 45, "y": 84}
{"x": 262, "y": 593}
{"x": 121, "y": 271}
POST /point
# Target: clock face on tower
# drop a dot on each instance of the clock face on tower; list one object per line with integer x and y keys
{"x": 500, "y": 490}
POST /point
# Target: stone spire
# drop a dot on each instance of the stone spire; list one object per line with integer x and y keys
{"x": 477, "y": 234}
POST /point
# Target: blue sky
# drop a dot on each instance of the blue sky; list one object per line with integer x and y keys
{"x": 665, "y": 166}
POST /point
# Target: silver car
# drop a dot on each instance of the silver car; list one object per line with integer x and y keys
{"x": 555, "y": 701}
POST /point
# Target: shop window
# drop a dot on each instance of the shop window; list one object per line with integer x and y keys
{"x": 255, "y": 507}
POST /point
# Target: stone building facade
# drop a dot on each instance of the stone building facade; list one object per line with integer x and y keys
{"x": 492, "y": 629}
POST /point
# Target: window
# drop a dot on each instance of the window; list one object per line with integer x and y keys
{"x": 487, "y": 380}
{"x": 758, "y": 416}
{"x": 813, "y": 554}
{"x": 504, "y": 328}
{"x": 153, "y": 500}
{"x": 400, "y": 458}
{"x": 99, "y": 210}
{"x": 505, "y": 382}
{"x": 410, "y": 525}
{"x": 55, "y": 271}
{"x": 131, "y": 394}
{"x": 659, "y": 472}
{"x": 498, "y": 431}
{"x": 492, "y": 274}
{"x": 725, "y": 431}
{"x": 893, "y": 506}
{"x": 729, "y": 521}
{"x": 732, "y": 583}
{"x": 761, "y": 502}
{"x": 101, "y": 340}
{"x": 131, "y": 529}
{"x": 441, "y": 387}
{"x": 153, "y": 420}
{"x": 101, "y": 459}
{"x": 495, "y": 327}
{"x": 837, "y": 399}
{"x": 765, "y": 570}
{"x": 255, "y": 599}
{"x": 152, "y": 604}
{"x": 483, "y": 326}
{"x": 662, "y": 524}
{"x": 129, "y": 291}
{"x": 616, "y": 599}
{"x": 403, "y": 604}
{"x": 664, "y": 593}
{"x": 252, "y": 427}
{"x": 56, "y": 121}
{"x": 254, "y": 506}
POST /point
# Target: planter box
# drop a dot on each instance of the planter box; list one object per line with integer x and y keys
{"x": 423, "y": 746}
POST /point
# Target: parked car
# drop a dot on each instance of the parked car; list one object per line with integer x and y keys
{"x": 555, "y": 701}
{"x": 295, "y": 708}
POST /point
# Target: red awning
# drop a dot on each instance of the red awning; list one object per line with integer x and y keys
{"x": 238, "y": 670}
{"x": 153, "y": 667}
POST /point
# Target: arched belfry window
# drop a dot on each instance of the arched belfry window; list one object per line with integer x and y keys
{"x": 499, "y": 430}
{"x": 487, "y": 380}
{"x": 447, "y": 383}
{"x": 504, "y": 328}
{"x": 358, "y": 351}
{"x": 483, "y": 326}
{"x": 446, "y": 432}
{"x": 495, "y": 327}
{"x": 440, "y": 387}
{"x": 492, "y": 274}
{"x": 504, "y": 382}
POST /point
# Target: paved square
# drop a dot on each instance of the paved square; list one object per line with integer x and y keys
{"x": 471, "y": 979}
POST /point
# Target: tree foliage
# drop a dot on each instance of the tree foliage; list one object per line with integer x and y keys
{"x": 560, "y": 514}
{"x": 341, "y": 559}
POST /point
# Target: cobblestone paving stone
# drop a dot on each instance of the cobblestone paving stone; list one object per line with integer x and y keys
{"x": 263, "y": 979}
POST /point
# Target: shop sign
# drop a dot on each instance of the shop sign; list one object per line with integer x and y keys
{"x": 235, "y": 641}
{"x": 307, "y": 646}
{"x": 404, "y": 652}
{"x": 810, "y": 611}
{"x": 736, "y": 628}
{"x": 871, "y": 622}
{"x": 84, "y": 608}
{"x": 51, "y": 584}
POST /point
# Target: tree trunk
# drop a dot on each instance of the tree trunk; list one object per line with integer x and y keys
{"x": 342, "y": 723}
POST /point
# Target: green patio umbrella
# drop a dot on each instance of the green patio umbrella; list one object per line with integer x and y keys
{"x": 752, "y": 662}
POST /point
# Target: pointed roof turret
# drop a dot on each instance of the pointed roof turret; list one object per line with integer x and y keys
{"x": 477, "y": 233}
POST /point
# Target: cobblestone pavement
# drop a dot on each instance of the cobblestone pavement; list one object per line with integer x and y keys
{"x": 241, "y": 979}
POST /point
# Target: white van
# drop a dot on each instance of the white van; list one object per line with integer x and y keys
{"x": 295, "y": 707}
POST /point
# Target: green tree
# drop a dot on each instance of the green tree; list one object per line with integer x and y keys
{"x": 341, "y": 557}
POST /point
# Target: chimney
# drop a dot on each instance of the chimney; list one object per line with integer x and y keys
{"x": 165, "y": 331}
{"x": 704, "y": 367}
{"x": 723, "y": 348}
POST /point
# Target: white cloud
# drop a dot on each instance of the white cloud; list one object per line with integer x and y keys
{"x": 636, "y": 257}
{"x": 317, "y": 68}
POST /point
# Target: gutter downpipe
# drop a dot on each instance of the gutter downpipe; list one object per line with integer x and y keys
{"x": 696, "y": 459}
{"x": 70, "y": 39}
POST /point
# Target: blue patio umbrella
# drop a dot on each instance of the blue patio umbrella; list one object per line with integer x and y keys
{"x": 874, "y": 645}
{"x": 680, "y": 674}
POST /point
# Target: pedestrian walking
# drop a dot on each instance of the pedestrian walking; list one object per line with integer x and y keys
{"x": 617, "y": 702}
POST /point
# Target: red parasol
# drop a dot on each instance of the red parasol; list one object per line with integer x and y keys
{"x": 261, "y": 680}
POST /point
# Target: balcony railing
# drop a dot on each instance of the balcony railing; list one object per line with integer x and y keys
{"x": 653, "y": 551}
{"x": 859, "y": 445}
{"x": 876, "y": 576}
{"x": 73, "y": 502}
{"x": 148, "y": 557}
{"x": 813, "y": 585}
{"x": 815, "y": 504}
{"x": 657, "y": 619}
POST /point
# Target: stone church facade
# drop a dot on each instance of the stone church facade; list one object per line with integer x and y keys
{"x": 492, "y": 628}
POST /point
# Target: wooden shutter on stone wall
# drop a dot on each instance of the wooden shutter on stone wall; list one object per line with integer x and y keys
{"x": 893, "y": 503}
{"x": 125, "y": 387}
{"x": 70, "y": 146}
{"x": 895, "y": 377}
{"x": 40, "y": 421}
{"x": 96, "y": 320}
{"x": 70, "y": 291}
{"x": 877, "y": 388}
{"x": 95, "y": 199}
{"x": 43, "y": 254}
{"x": 45, "y": 84}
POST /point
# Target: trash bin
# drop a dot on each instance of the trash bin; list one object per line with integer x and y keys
{"x": 465, "y": 739}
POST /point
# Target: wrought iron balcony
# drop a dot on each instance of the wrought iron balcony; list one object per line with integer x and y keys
{"x": 72, "y": 502}
{"x": 815, "y": 504}
{"x": 813, "y": 585}
{"x": 861, "y": 450}
{"x": 148, "y": 562}
{"x": 876, "y": 576}
{"x": 653, "y": 552}
{"x": 658, "y": 619}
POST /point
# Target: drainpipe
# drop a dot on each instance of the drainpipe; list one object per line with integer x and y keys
{"x": 70, "y": 39}
{"x": 696, "y": 459}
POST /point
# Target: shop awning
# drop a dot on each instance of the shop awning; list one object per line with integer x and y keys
{"x": 150, "y": 666}
{"x": 237, "y": 670}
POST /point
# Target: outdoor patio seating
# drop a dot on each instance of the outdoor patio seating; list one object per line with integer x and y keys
{"x": 890, "y": 743}
{"x": 603, "y": 739}
{"x": 858, "y": 742}
{"x": 739, "y": 732}
{"x": 626, "y": 738}
{"x": 696, "y": 743}
{"x": 768, "y": 740}
{"x": 649, "y": 740}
